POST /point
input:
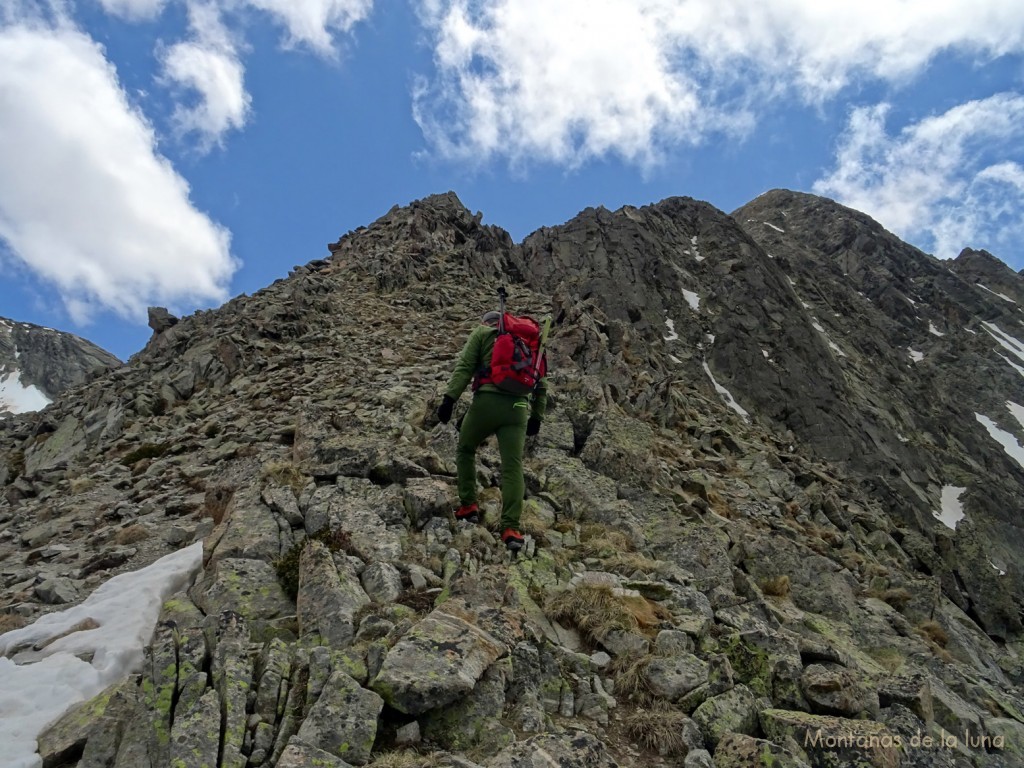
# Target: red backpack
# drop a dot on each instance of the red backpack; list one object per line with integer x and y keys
{"x": 517, "y": 362}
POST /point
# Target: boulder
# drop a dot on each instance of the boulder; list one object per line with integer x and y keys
{"x": 437, "y": 662}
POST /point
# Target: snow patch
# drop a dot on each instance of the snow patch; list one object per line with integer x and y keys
{"x": 672, "y": 335}
{"x": 916, "y": 356}
{"x": 1002, "y": 296}
{"x": 933, "y": 330}
{"x": 777, "y": 229}
{"x": 37, "y": 687}
{"x": 1007, "y": 440}
{"x": 726, "y": 395}
{"x": 1013, "y": 365}
{"x": 1005, "y": 340}
{"x": 16, "y": 397}
{"x": 832, "y": 345}
{"x": 692, "y": 299}
{"x": 1017, "y": 411}
{"x": 696, "y": 250}
{"x": 952, "y": 509}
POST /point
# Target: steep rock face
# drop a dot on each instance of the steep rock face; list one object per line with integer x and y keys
{"x": 927, "y": 356}
{"x": 696, "y": 585}
{"x": 41, "y": 363}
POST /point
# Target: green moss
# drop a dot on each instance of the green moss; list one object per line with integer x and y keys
{"x": 752, "y": 665}
{"x": 767, "y": 759}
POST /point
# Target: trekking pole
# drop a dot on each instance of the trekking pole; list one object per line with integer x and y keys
{"x": 502, "y": 294}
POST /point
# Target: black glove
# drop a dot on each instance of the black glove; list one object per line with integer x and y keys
{"x": 444, "y": 411}
{"x": 532, "y": 426}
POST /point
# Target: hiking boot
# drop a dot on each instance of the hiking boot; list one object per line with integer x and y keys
{"x": 513, "y": 539}
{"x": 468, "y": 512}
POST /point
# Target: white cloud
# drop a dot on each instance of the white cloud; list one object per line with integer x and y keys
{"x": 134, "y": 10}
{"x": 210, "y": 66}
{"x": 578, "y": 79}
{"x": 207, "y": 72}
{"x": 85, "y": 199}
{"x": 311, "y": 22}
{"x": 941, "y": 182}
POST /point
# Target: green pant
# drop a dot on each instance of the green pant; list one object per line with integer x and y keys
{"x": 493, "y": 413}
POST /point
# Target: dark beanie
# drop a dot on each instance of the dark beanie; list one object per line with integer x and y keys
{"x": 490, "y": 318}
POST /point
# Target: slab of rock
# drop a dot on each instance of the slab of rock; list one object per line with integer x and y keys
{"x": 195, "y": 737}
{"x": 248, "y": 587}
{"x": 570, "y": 750}
{"x": 675, "y": 676}
{"x": 834, "y": 741}
{"x": 343, "y": 721}
{"x": 329, "y": 597}
{"x": 301, "y": 755}
{"x": 834, "y": 690}
{"x": 734, "y": 711}
{"x": 737, "y": 750}
{"x": 437, "y": 662}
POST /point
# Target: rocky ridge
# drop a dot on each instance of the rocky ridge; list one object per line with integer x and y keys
{"x": 711, "y": 576}
{"x": 43, "y": 363}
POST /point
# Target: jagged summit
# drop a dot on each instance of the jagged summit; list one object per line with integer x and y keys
{"x": 775, "y": 495}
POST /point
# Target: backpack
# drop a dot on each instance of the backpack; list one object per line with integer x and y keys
{"x": 517, "y": 363}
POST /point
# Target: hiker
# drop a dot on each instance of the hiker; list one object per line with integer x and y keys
{"x": 493, "y": 412}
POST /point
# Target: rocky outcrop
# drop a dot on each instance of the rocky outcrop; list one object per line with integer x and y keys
{"x": 700, "y": 586}
{"x": 37, "y": 364}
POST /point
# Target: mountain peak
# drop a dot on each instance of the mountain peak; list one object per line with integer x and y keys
{"x": 784, "y": 429}
{"x": 38, "y": 364}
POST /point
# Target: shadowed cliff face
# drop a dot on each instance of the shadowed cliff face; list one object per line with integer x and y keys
{"x": 729, "y": 505}
{"x": 48, "y": 361}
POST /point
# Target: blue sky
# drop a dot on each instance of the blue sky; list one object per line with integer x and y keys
{"x": 180, "y": 152}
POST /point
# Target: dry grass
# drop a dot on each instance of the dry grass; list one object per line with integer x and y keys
{"x": 932, "y": 631}
{"x": 594, "y": 610}
{"x": 614, "y": 548}
{"x": 10, "y": 621}
{"x": 897, "y": 598}
{"x": 936, "y": 638}
{"x": 597, "y": 540}
{"x": 131, "y": 535}
{"x": 82, "y": 484}
{"x": 530, "y": 522}
{"x": 285, "y": 473}
{"x": 659, "y": 728}
{"x": 890, "y": 659}
{"x": 630, "y": 674}
{"x": 776, "y": 586}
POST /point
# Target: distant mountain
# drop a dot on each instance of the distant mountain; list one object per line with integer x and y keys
{"x": 37, "y": 364}
{"x": 773, "y": 514}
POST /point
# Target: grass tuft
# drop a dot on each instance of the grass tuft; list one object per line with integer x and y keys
{"x": 131, "y": 535}
{"x": 286, "y": 474}
{"x": 593, "y": 610}
{"x": 776, "y": 586}
{"x": 659, "y": 728}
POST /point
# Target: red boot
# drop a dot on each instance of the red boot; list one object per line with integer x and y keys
{"x": 513, "y": 539}
{"x": 468, "y": 512}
